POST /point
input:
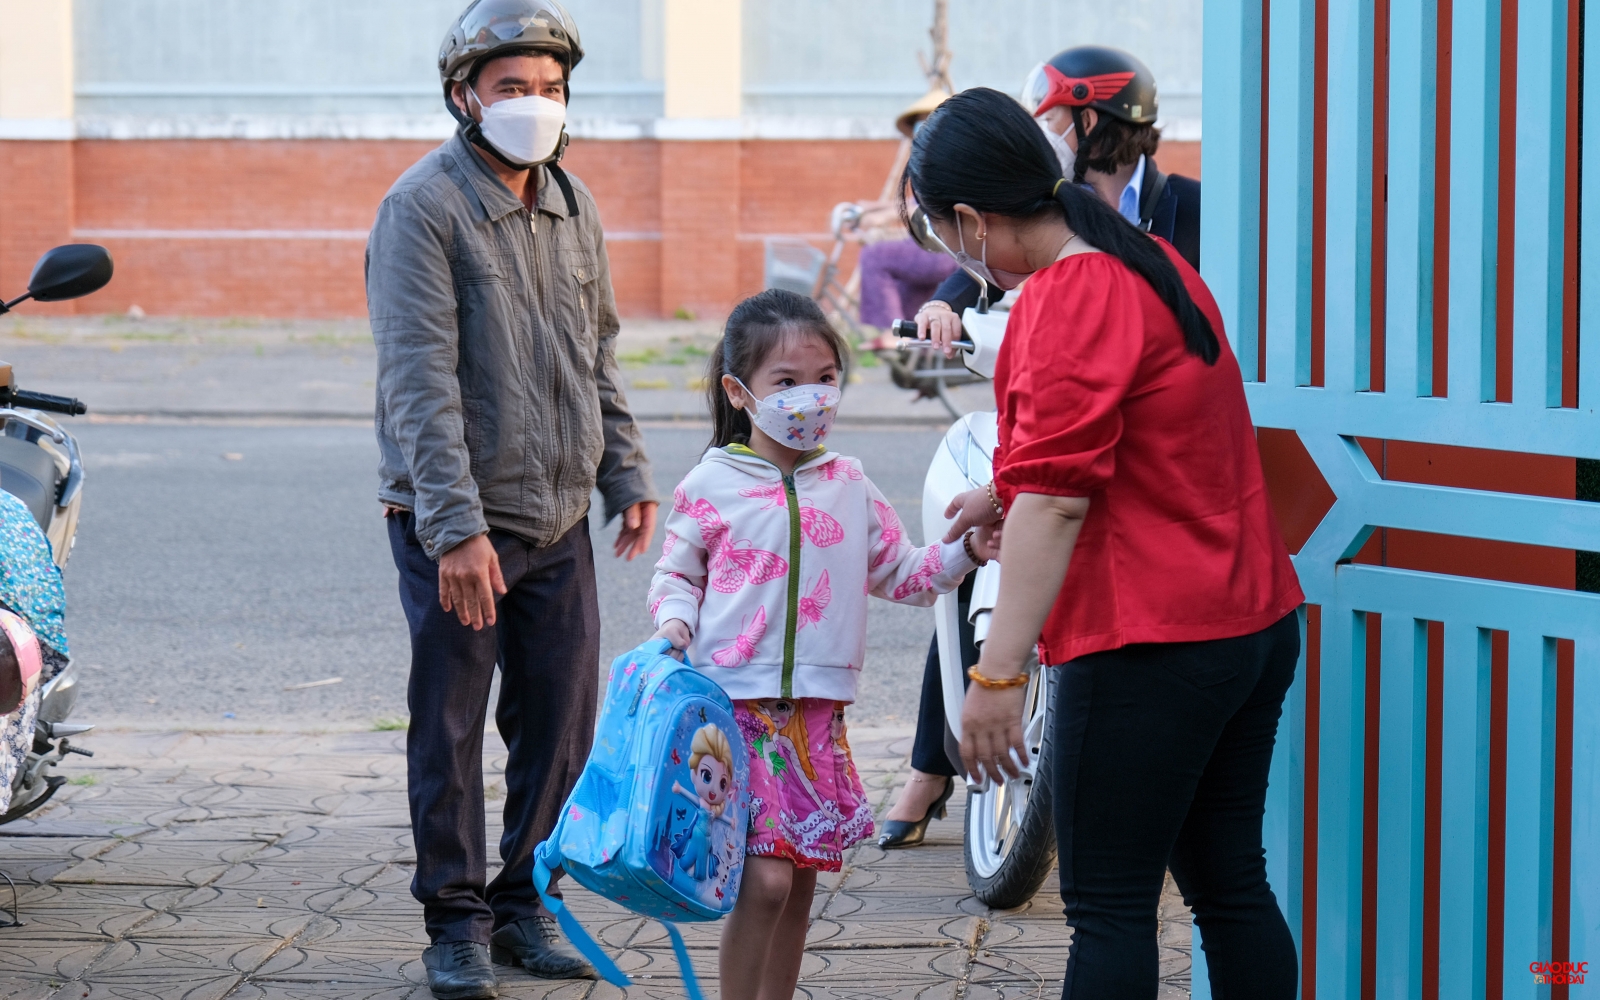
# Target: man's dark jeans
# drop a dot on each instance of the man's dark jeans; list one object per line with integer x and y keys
{"x": 547, "y": 643}
{"x": 1161, "y": 755}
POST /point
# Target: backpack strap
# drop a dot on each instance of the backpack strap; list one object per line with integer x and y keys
{"x": 691, "y": 985}
{"x": 566, "y": 188}
{"x": 586, "y": 945}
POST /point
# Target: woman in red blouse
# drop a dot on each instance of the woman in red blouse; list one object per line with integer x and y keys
{"x": 1127, "y": 453}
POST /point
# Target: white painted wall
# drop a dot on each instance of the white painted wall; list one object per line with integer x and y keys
{"x": 36, "y": 69}
{"x": 367, "y": 67}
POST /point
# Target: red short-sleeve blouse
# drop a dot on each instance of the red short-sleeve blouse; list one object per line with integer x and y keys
{"x": 1099, "y": 398}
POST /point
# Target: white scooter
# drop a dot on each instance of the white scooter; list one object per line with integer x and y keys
{"x": 1010, "y": 843}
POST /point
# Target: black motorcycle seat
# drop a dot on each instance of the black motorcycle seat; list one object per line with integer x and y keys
{"x": 28, "y": 473}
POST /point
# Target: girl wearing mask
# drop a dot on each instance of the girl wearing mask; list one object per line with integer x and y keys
{"x": 772, "y": 548}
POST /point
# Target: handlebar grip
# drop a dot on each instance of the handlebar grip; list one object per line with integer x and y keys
{"x": 45, "y": 401}
{"x": 903, "y": 328}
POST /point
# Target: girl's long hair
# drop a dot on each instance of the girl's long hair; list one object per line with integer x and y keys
{"x": 756, "y": 327}
{"x": 980, "y": 148}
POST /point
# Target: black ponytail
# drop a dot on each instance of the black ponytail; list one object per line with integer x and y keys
{"x": 754, "y": 329}
{"x": 980, "y": 148}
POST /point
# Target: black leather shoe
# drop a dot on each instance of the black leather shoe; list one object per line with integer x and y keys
{"x": 460, "y": 970}
{"x": 535, "y": 943}
{"x": 901, "y": 833}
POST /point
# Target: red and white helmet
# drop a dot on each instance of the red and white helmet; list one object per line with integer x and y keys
{"x": 1093, "y": 76}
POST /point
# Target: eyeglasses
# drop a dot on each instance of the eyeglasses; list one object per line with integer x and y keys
{"x": 924, "y": 236}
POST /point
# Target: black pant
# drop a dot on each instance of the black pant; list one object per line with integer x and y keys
{"x": 1162, "y": 753}
{"x": 546, "y": 641}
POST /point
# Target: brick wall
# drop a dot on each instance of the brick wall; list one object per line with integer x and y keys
{"x": 276, "y": 228}
{"x": 36, "y": 209}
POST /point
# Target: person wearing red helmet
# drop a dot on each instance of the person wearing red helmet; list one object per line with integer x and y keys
{"x": 1102, "y": 103}
{"x": 1097, "y": 106}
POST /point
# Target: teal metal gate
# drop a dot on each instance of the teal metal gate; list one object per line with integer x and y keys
{"x": 1393, "y": 216}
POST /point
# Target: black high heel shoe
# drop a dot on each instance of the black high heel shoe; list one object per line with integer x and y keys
{"x": 901, "y": 833}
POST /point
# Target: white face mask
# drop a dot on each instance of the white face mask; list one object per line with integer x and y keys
{"x": 798, "y": 417}
{"x": 526, "y": 130}
{"x": 1058, "y": 142}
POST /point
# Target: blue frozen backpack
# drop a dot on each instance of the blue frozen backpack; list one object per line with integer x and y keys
{"x": 657, "y": 821}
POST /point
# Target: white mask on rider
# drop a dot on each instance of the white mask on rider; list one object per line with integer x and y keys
{"x": 525, "y": 130}
{"x": 798, "y": 417}
{"x": 1058, "y": 142}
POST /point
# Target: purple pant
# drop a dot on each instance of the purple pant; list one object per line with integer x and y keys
{"x": 898, "y": 277}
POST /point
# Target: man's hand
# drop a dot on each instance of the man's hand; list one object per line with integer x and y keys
{"x": 470, "y": 580}
{"x": 675, "y": 631}
{"x": 638, "y": 527}
{"x": 938, "y": 322}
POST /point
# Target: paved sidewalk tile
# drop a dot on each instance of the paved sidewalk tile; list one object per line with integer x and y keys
{"x": 278, "y": 867}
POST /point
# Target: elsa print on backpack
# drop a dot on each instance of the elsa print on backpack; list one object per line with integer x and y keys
{"x": 698, "y": 848}
{"x": 771, "y": 550}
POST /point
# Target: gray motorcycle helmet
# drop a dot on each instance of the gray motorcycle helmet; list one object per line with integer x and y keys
{"x": 491, "y": 28}
{"x": 501, "y": 27}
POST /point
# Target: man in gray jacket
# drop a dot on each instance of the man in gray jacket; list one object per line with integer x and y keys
{"x": 499, "y": 409}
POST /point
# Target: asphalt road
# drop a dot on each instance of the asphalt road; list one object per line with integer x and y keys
{"x": 217, "y": 564}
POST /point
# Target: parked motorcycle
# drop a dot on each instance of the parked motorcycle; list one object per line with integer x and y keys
{"x": 1009, "y": 843}
{"x": 40, "y": 465}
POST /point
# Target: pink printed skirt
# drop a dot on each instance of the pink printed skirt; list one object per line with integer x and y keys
{"x": 806, "y": 800}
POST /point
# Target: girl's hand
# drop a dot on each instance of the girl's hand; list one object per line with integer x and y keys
{"x": 675, "y": 631}
{"x": 971, "y": 509}
{"x": 938, "y": 322}
{"x": 986, "y": 540}
{"x": 991, "y": 727}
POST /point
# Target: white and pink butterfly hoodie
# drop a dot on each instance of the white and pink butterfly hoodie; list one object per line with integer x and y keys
{"x": 771, "y": 572}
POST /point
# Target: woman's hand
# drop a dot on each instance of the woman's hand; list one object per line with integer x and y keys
{"x": 991, "y": 728}
{"x": 938, "y": 322}
{"x": 972, "y": 509}
{"x": 675, "y": 631}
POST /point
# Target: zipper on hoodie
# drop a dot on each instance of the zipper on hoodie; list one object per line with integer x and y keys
{"x": 792, "y": 500}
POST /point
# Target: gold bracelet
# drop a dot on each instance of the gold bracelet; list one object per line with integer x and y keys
{"x": 994, "y": 501}
{"x": 994, "y": 685}
{"x": 966, "y": 543}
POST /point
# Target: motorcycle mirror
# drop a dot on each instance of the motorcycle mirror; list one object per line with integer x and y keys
{"x": 69, "y": 272}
